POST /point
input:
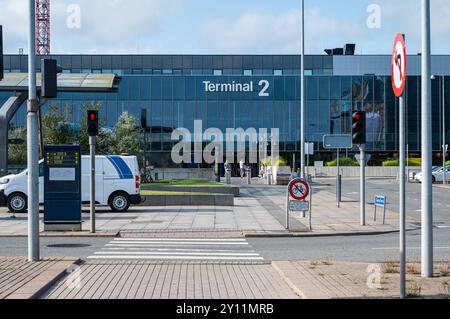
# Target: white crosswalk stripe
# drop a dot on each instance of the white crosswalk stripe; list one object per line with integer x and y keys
{"x": 194, "y": 249}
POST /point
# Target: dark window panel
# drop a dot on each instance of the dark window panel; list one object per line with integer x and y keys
{"x": 217, "y": 62}
{"x": 86, "y": 62}
{"x": 187, "y": 61}
{"x": 238, "y": 62}
{"x": 116, "y": 62}
{"x": 177, "y": 62}
{"x": 97, "y": 62}
{"x": 136, "y": 62}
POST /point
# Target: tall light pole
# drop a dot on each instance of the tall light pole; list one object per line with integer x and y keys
{"x": 427, "y": 191}
{"x": 302, "y": 95}
{"x": 444, "y": 138}
{"x": 32, "y": 142}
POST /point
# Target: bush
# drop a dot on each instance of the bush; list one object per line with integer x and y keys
{"x": 343, "y": 161}
{"x": 279, "y": 161}
{"x": 396, "y": 162}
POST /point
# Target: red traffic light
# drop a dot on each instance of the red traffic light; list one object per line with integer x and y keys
{"x": 92, "y": 116}
{"x": 357, "y": 116}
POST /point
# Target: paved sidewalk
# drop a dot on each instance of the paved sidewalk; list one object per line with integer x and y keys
{"x": 327, "y": 218}
{"x": 327, "y": 279}
{"x": 20, "y": 279}
{"x": 143, "y": 280}
{"x": 260, "y": 211}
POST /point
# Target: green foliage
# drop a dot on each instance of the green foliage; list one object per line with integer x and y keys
{"x": 279, "y": 161}
{"x": 396, "y": 162}
{"x": 56, "y": 128}
{"x": 343, "y": 161}
{"x": 17, "y": 154}
{"x": 127, "y": 138}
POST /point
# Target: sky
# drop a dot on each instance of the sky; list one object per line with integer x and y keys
{"x": 227, "y": 27}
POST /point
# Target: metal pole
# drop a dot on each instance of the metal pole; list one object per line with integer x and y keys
{"x": 338, "y": 181}
{"x": 32, "y": 143}
{"x": 302, "y": 95}
{"x": 444, "y": 142}
{"x": 402, "y": 199}
{"x": 362, "y": 193}
{"x": 287, "y": 206}
{"x": 92, "y": 182}
{"x": 427, "y": 191}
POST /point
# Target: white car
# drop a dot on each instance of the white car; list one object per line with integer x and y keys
{"x": 437, "y": 175}
{"x": 117, "y": 184}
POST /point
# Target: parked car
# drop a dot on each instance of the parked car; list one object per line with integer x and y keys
{"x": 437, "y": 175}
{"x": 117, "y": 184}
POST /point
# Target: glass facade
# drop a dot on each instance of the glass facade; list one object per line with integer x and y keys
{"x": 177, "y": 90}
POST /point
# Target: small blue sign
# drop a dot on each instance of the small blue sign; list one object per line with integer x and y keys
{"x": 380, "y": 200}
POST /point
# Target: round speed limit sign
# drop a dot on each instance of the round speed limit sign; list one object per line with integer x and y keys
{"x": 299, "y": 189}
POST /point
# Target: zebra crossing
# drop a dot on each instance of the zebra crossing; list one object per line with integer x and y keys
{"x": 175, "y": 249}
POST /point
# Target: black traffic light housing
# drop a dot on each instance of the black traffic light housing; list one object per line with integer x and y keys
{"x": 49, "y": 86}
{"x": 359, "y": 128}
{"x": 92, "y": 122}
{"x": 1, "y": 53}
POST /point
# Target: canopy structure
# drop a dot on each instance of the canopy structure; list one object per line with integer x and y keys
{"x": 67, "y": 82}
{"x": 17, "y": 84}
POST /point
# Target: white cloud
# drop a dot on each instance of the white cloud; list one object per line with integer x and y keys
{"x": 113, "y": 26}
{"x": 279, "y": 33}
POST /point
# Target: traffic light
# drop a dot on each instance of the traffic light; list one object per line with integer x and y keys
{"x": 359, "y": 128}
{"x": 92, "y": 123}
{"x": 49, "y": 86}
{"x": 1, "y": 53}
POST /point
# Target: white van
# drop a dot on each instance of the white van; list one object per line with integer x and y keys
{"x": 117, "y": 184}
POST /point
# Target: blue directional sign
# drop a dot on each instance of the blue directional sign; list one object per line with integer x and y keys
{"x": 380, "y": 200}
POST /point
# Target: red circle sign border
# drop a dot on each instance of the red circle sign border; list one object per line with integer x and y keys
{"x": 398, "y": 91}
{"x": 292, "y": 187}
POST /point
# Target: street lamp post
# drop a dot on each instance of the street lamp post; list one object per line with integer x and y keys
{"x": 444, "y": 142}
{"x": 32, "y": 143}
{"x": 302, "y": 95}
{"x": 427, "y": 187}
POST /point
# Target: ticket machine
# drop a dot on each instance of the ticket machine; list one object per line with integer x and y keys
{"x": 62, "y": 188}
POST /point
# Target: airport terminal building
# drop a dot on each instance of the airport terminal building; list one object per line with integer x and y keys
{"x": 256, "y": 91}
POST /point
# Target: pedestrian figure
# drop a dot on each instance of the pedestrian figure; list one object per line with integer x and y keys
{"x": 242, "y": 168}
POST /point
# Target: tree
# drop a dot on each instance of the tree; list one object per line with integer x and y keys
{"x": 17, "y": 153}
{"x": 127, "y": 138}
{"x": 56, "y": 128}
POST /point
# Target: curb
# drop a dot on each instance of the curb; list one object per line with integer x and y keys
{"x": 67, "y": 235}
{"x": 312, "y": 234}
{"x": 289, "y": 282}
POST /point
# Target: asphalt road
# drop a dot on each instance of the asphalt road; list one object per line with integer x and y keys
{"x": 53, "y": 246}
{"x": 350, "y": 248}
{"x": 344, "y": 248}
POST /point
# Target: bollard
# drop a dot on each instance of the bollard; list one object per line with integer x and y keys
{"x": 269, "y": 176}
{"x": 249, "y": 176}
{"x": 228, "y": 177}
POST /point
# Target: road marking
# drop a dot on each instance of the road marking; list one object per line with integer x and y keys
{"x": 171, "y": 253}
{"x": 179, "y": 239}
{"x": 175, "y": 257}
{"x": 172, "y": 249}
{"x": 178, "y": 249}
{"x": 174, "y": 243}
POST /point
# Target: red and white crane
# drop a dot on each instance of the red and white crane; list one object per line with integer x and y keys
{"x": 42, "y": 27}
